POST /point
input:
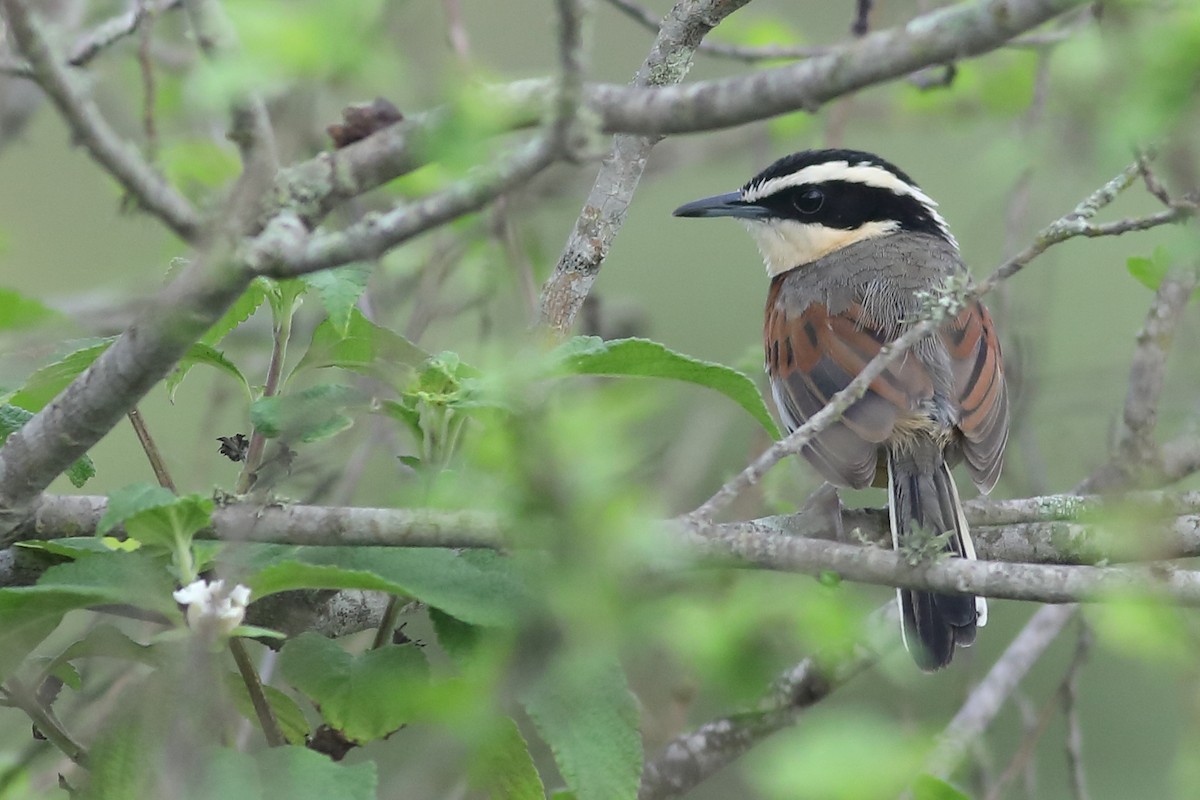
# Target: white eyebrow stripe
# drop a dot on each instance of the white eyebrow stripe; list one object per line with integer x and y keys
{"x": 863, "y": 172}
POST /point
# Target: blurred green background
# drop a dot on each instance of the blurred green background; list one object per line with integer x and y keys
{"x": 1016, "y": 140}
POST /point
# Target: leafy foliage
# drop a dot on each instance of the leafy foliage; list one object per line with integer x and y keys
{"x": 642, "y": 357}
{"x": 365, "y": 697}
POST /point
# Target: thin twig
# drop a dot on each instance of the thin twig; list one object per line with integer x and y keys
{"x": 690, "y": 758}
{"x": 161, "y": 473}
{"x": 281, "y": 335}
{"x": 987, "y": 698}
{"x": 149, "y": 91}
{"x": 90, "y": 129}
{"x": 1070, "y": 698}
{"x": 1066, "y": 227}
{"x": 258, "y": 697}
{"x": 1063, "y": 697}
{"x": 607, "y": 203}
{"x": 44, "y": 720}
{"x": 1136, "y": 452}
{"x": 98, "y": 39}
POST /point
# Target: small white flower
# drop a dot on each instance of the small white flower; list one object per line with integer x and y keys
{"x": 211, "y": 609}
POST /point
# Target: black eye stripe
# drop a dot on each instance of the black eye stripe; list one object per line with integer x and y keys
{"x": 847, "y": 205}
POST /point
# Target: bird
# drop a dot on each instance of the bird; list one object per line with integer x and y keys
{"x": 855, "y": 250}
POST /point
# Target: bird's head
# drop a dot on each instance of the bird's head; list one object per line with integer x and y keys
{"x": 812, "y": 203}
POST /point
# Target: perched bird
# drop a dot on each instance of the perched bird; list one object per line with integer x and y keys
{"x": 854, "y": 250}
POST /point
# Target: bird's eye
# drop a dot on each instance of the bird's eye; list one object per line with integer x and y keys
{"x": 809, "y": 202}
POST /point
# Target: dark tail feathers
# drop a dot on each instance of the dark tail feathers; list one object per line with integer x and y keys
{"x": 932, "y": 624}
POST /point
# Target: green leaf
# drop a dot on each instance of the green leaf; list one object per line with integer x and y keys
{"x": 44, "y": 385}
{"x": 200, "y": 353}
{"x": 136, "y": 579}
{"x": 927, "y": 787}
{"x": 172, "y": 525}
{"x": 108, "y": 641}
{"x": 477, "y": 586}
{"x": 118, "y": 765}
{"x": 339, "y": 290}
{"x": 459, "y": 639}
{"x": 1151, "y": 271}
{"x": 297, "y": 773}
{"x": 128, "y": 765}
{"x": 365, "y": 697}
{"x": 364, "y": 347}
{"x": 287, "y": 712}
{"x": 584, "y": 710}
{"x": 12, "y": 418}
{"x": 18, "y": 311}
{"x": 242, "y": 309}
{"x": 130, "y": 500}
{"x": 307, "y": 416}
{"x": 29, "y": 613}
{"x": 824, "y": 758}
{"x": 642, "y": 357}
{"x": 504, "y": 769}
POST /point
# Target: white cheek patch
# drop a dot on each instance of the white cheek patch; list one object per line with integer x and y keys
{"x": 786, "y": 244}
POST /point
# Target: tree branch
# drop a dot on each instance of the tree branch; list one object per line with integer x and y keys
{"x": 990, "y": 695}
{"x": 948, "y": 34}
{"x": 607, "y": 204}
{"x": 1136, "y": 451}
{"x": 90, "y": 129}
{"x": 649, "y": 19}
{"x": 98, "y": 39}
{"x": 692, "y": 757}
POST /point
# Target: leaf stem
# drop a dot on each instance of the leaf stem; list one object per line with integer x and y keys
{"x": 152, "y": 453}
{"x": 44, "y": 720}
{"x": 258, "y": 697}
{"x": 254, "y": 454}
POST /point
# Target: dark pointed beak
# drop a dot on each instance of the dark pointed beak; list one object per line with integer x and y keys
{"x": 722, "y": 205}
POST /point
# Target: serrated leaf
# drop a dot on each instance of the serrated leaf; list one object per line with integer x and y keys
{"x": 44, "y": 384}
{"x": 476, "y": 586}
{"x": 242, "y": 309}
{"x": 307, "y": 416}
{"x": 364, "y": 697}
{"x": 645, "y": 358}
{"x": 584, "y": 710}
{"x": 504, "y": 769}
{"x": 287, "y": 713}
{"x": 339, "y": 290}
{"x": 200, "y": 353}
{"x": 459, "y": 639}
{"x": 365, "y": 347}
{"x": 130, "y": 500}
{"x": 18, "y": 311}
{"x": 12, "y": 418}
